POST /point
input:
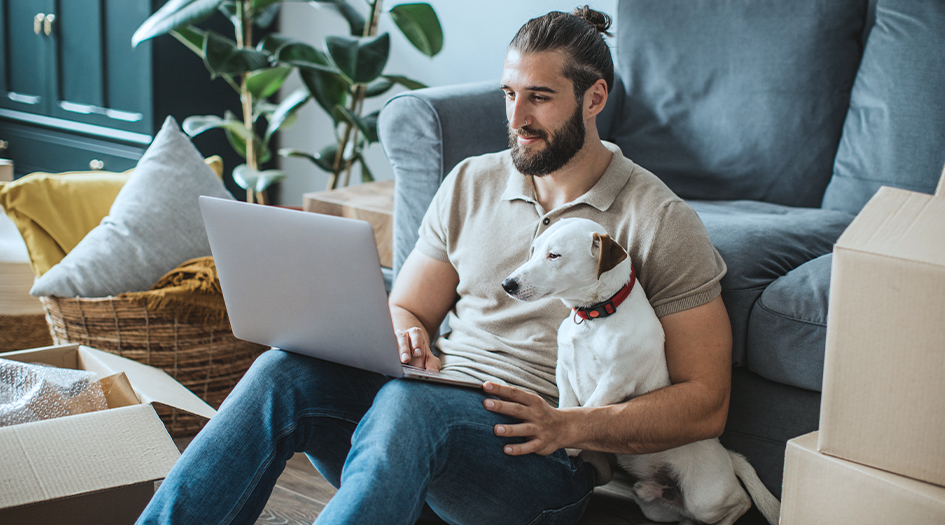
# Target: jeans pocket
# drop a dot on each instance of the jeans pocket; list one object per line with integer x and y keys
{"x": 569, "y": 514}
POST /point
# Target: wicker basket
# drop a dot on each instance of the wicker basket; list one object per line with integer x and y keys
{"x": 208, "y": 360}
{"x": 19, "y": 332}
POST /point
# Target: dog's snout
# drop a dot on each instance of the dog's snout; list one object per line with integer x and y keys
{"x": 510, "y": 286}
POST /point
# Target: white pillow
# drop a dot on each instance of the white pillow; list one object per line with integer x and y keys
{"x": 154, "y": 225}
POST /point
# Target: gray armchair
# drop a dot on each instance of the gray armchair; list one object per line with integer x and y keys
{"x": 777, "y": 122}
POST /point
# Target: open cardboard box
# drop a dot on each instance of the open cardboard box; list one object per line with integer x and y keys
{"x": 884, "y": 370}
{"x": 98, "y": 467}
{"x": 820, "y": 489}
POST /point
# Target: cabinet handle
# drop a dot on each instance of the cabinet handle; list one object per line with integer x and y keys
{"x": 96, "y": 165}
{"x": 38, "y": 22}
{"x": 47, "y": 24}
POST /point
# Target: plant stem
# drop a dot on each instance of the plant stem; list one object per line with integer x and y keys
{"x": 244, "y": 39}
{"x": 350, "y": 134}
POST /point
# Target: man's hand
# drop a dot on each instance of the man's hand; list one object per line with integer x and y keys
{"x": 545, "y": 428}
{"x": 414, "y": 348}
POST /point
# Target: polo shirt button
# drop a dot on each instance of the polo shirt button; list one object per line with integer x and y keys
{"x": 546, "y": 222}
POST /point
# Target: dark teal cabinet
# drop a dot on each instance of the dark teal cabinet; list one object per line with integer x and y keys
{"x": 75, "y": 95}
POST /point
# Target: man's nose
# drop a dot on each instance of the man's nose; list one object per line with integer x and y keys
{"x": 518, "y": 115}
{"x": 510, "y": 285}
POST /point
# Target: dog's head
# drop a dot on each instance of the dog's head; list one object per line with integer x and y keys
{"x": 567, "y": 262}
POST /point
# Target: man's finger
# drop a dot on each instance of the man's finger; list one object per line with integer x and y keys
{"x": 520, "y": 449}
{"x": 403, "y": 342}
{"x": 417, "y": 342}
{"x": 507, "y": 408}
{"x": 518, "y": 430}
{"x": 510, "y": 394}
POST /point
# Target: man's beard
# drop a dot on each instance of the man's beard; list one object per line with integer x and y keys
{"x": 559, "y": 148}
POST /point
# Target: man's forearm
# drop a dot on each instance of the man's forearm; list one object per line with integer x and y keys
{"x": 660, "y": 420}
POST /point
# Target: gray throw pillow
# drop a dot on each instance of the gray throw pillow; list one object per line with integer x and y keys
{"x": 154, "y": 225}
{"x": 894, "y": 134}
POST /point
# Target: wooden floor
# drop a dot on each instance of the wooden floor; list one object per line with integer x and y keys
{"x": 301, "y": 493}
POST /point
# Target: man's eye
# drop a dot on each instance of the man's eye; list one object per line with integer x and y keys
{"x": 552, "y": 255}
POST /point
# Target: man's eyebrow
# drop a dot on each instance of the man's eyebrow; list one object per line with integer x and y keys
{"x": 543, "y": 89}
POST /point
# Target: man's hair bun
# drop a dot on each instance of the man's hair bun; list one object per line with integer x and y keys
{"x": 600, "y": 21}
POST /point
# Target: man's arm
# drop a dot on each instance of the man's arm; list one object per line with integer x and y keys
{"x": 423, "y": 294}
{"x": 694, "y": 407}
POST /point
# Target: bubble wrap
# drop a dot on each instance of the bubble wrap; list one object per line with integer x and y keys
{"x": 30, "y": 392}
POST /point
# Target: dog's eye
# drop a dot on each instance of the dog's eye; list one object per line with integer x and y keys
{"x": 552, "y": 255}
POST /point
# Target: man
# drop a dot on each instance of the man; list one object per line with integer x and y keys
{"x": 399, "y": 449}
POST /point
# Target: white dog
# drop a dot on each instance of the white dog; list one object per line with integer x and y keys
{"x": 612, "y": 349}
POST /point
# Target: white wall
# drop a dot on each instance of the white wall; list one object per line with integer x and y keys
{"x": 476, "y": 35}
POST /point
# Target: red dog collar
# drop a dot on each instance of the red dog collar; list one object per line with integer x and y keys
{"x": 608, "y": 307}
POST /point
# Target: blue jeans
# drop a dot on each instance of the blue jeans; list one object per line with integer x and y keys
{"x": 393, "y": 448}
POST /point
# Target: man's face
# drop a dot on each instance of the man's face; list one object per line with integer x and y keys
{"x": 546, "y": 122}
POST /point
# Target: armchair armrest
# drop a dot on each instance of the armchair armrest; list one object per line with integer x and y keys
{"x": 425, "y": 133}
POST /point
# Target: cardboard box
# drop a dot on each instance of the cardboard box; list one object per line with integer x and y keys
{"x": 820, "y": 489}
{"x": 372, "y": 202}
{"x": 883, "y": 400}
{"x": 95, "y": 468}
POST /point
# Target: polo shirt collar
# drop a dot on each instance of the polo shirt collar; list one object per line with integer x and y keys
{"x": 601, "y": 196}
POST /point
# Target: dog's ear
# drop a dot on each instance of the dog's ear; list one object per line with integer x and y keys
{"x": 610, "y": 254}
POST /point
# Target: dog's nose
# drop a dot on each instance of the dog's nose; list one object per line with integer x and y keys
{"x": 510, "y": 286}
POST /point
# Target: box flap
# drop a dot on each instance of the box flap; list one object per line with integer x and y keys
{"x": 899, "y": 223}
{"x": 151, "y": 385}
{"x": 84, "y": 453}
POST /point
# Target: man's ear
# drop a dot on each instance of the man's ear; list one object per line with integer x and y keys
{"x": 595, "y": 98}
{"x": 610, "y": 254}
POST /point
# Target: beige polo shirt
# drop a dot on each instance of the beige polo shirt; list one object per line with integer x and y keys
{"x": 483, "y": 221}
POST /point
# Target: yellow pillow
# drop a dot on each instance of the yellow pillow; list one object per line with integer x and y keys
{"x": 54, "y": 211}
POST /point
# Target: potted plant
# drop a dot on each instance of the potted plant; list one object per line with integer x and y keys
{"x": 338, "y": 78}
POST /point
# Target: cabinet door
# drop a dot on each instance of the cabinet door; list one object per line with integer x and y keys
{"x": 102, "y": 79}
{"x": 26, "y": 50}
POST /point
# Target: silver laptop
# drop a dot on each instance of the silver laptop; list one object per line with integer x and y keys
{"x": 307, "y": 283}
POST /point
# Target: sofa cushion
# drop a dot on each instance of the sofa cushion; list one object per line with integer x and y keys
{"x": 894, "y": 133}
{"x": 759, "y": 243}
{"x": 738, "y": 99}
{"x": 787, "y": 332}
{"x": 154, "y": 225}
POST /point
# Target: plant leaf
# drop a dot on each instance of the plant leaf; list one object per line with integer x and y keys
{"x": 272, "y": 43}
{"x": 356, "y": 21}
{"x": 192, "y": 37}
{"x": 174, "y": 14}
{"x": 245, "y": 177}
{"x": 265, "y": 82}
{"x": 324, "y": 159}
{"x": 366, "y": 175}
{"x": 378, "y": 87}
{"x": 258, "y": 181}
{"x": 197, "y": 124}
{"x": 328, "y": 89}
{"x": 237, "y": 134}
{"x": 367, "y": 124}
{"x": 406, "y": 82}
{"x": 361, "y": 60}
{"x": 287, "y": 108}
{"x": 304, "y": 55}
{"x": 223, "y": 57}
{"x": 263, "y": 4}
{"x": 264, "y": 17}
{"x": 419, "y": 23}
